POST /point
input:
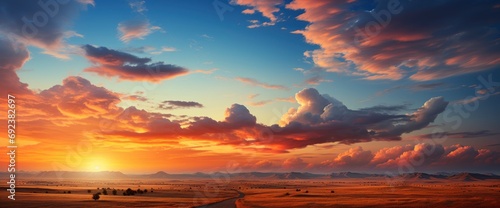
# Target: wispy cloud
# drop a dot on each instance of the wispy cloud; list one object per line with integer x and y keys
{"x": 257, "y": 83}
{"x": 316, "y": 80}
{"x": 450, "y": 46}
{"x": 135, "y": 29}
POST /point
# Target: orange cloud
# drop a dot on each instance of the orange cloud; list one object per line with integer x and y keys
{"x": 380, "y": 44}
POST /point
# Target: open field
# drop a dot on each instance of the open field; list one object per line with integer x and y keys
{"x": 258, "y": 193}
{"x": 355, "y": 193}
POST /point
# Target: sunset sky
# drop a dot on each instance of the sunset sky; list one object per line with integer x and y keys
{"x": 252, "y": 85}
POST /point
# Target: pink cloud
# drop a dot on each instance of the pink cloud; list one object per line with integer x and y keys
{"x": 268, "y": 8}
{"x": 355, "y": 42}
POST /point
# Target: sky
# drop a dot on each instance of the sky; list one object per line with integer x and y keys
{"x": 252, "y": 85}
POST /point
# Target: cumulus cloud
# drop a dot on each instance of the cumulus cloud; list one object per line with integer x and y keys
{"x": 174, "y": 104}
{"x": 435, "y": 40}
{"x": 238, "y": 116}
{"x": 318, "y": 119}
{"x": 77, "y": 97}
{"x": 421, "y": 154}
{"x": 13, "y": 55}
{"x": 354, "y": 157}
{"x": 43, "y": 24}
{"x": 294, "y": 164}
{"x": 112, "y": 63}
{"x": 411, "y": 158}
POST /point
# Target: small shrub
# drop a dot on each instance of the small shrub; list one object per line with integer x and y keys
{"x": 96, "y": 197}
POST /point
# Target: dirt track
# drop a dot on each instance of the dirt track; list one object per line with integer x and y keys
{"x": 228, "y": 203}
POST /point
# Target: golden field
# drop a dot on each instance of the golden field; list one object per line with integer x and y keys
{"x": 258, "y": 193}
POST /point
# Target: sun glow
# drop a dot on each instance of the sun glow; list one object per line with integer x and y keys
{"x": 96, "y": 164}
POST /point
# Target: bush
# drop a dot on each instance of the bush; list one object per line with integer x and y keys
{"x": 129, "y": 192}
{"x": 88, "y": 191}
{"x": 114, "y": 191}
{"x": 96, "y": 197}
{"x": 104, "y": 192}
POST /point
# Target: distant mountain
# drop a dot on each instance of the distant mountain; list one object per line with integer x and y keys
{"x": 297, "y": 175}
{"x": 159, "y": 174}
{"x": 247, "y": 175}
{"x": 421, "y": 176}
{"x": 472, "y": 177}
{"x": 354, "y": 175}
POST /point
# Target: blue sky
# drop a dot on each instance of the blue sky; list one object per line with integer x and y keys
{"x": 266, "y": 55}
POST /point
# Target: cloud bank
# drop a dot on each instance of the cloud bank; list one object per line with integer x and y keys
{"x": 112, "y": 63}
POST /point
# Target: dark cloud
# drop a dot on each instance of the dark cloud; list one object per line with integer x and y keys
{"x": 43, "y": 24}
{"x": 174, "y": 104}
{"x": 112, "y": 63}
{"x": 319, "y": 119}
{"x": 385, "y": 108}
{"x": 458, "y": 135}
{"x": 428, "y": 86}
{"x": 239, "y": 116}
{"x": 13, "y": 55}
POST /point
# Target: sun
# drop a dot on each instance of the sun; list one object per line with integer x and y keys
{"x": 95, "y": 164}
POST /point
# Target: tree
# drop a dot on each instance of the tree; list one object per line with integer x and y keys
{"x": 96, "y": 197}
{"x": 104, "y": 192}
{"x": 114, "y": 191}
{"x": 129, "y": 192}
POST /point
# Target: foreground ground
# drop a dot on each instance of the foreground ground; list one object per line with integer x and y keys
{"x": 259, "y": 193}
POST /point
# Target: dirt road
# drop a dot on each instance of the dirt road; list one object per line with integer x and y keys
{"x": 228, "y": 203}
